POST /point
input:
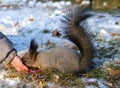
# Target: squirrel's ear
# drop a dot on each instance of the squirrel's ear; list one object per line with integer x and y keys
{"x": 33, "y": 46}
{"x": 33, "y": 49}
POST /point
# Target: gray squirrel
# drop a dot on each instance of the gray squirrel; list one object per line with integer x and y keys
{"x": 66, "y": 60}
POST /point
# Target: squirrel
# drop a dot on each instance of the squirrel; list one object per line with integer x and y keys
{"x": 66, "y": 60}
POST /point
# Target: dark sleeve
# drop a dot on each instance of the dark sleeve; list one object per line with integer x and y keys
{"x": 7, "y": 51}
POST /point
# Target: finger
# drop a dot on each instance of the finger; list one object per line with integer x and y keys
{"x": 32, "y": 71}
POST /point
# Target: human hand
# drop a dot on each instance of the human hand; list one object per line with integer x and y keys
{"x": 19, "y": 66}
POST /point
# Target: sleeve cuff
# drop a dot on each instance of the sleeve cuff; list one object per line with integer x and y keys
{"x": 9, "y": 58}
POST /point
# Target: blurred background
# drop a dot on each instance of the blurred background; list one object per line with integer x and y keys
{"x": 96, "y": 5}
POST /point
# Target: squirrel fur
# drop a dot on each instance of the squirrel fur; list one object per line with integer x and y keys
{"x": 66, "y": 60}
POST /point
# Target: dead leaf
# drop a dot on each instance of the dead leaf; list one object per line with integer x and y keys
{"x": 56, "y": 33}
{"x": 31, "y": 19}
{"x": 109, "y": 85}
{"x": 40, "y": 84}
{"x": 56, "y": 78}
{"x": 115, "y": 73}
{"x": 115, "y": 34}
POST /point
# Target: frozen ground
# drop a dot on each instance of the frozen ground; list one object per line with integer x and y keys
{"x": 22, "y": 24}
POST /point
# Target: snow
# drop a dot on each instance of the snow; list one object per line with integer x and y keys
{"x": 6, "y": 82}
{"x": 23, "y": 24}
{"x": 23, "y": 31}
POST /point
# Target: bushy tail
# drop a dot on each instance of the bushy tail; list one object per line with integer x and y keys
{"x": 78, "y": 34}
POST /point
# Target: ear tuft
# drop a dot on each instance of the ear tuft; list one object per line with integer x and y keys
{"x": 33, "y": 48}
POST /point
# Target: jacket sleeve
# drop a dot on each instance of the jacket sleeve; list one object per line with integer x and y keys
{"x": 7, "y": 51}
